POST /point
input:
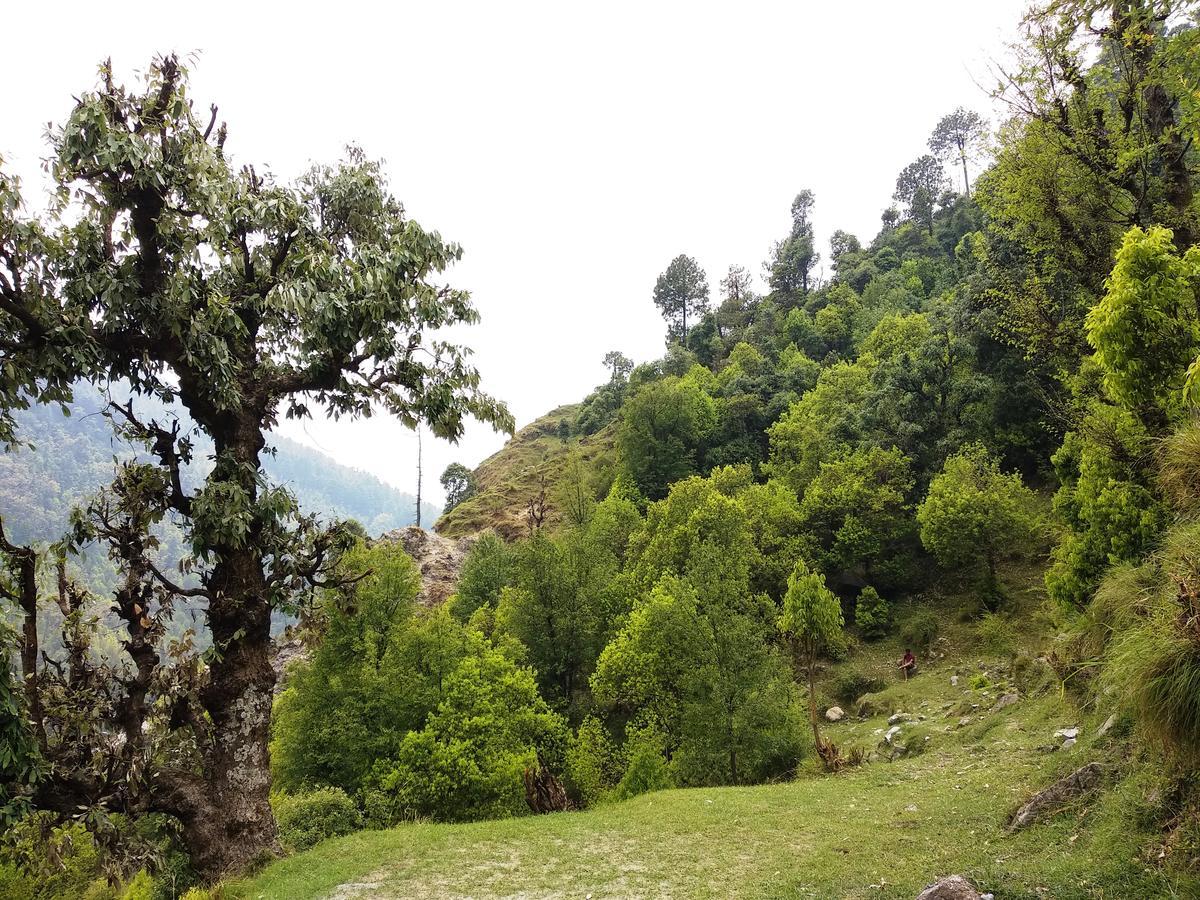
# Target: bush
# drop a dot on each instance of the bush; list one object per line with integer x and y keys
{"x": 647, "y": 770}
{"x": 871, "y": 613}
{"x": 996, "y": 634}
{"x": 592, "y": 765}
{"x": 61, "y": 861}
{"x": 14, "y": 884}
{"x": 851, "y": 685}
{"x": 485, "y": 572}
{"x": 920, "y": 630}
{"x": 307, "y": 819}
{"x": 140, "y": 888}
{"x": 469, "y": 760}
{"x": 381, "y": 810}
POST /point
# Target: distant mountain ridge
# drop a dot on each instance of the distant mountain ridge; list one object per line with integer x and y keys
{"x": 73, "y": 456}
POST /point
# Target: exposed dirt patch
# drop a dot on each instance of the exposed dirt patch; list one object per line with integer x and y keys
{"x": 440, "y": 560}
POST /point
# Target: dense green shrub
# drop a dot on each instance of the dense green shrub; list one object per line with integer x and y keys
{"x": 52, "y": 863}
{"x": 662, "y": 427}
{"x": 469, "y": 760}
{"x": 647, "y": 769}
{"x": 373, "y": 677}
{"x": 15, "y": 884}
{"x": 309, "y": 818}
{"x": 485, "y": 573}
{"x": 872, "y": 614}
{"x": 974, "y": 514}
{"x": 919, "y": 629}
{"x": 140, "y": 887}
{"x": 1106, "y": 501}
{"x": 851, "y": 685}
{"x": 380, "y": 809}
{"x": 593, "y": 764}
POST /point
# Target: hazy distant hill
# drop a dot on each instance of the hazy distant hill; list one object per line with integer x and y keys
{"x": 73, "y": 456}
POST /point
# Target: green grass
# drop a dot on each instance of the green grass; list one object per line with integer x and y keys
{"x": 880, "y": 831}
{"x": 883, "y": 830}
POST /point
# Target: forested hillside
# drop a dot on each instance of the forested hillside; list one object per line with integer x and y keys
{"x": 899, "y": 541}
{"x": 68, "y": 458}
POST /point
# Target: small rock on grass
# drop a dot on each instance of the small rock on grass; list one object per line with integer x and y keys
{"x": 952, "y": 887}
{"x": 835, "y": 714}
{"x": 1005, "y": 700}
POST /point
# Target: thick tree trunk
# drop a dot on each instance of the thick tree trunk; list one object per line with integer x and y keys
{"x": 238, "y": 827}
{"x": 233, "y": 828}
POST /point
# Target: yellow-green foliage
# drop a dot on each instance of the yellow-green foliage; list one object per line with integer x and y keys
{"x": 811, "y": 430}
{"x": 1105, "y": 500}
{"x": 872, "y": 614}
{"x": 44, "y": 863}
{"x": 309, "y": 818}
{"x": 1144, "y": 329}
{"x": 894, "y": 334}
{"x": 593, "y": 768}
{"x": 661, "y": 425}
{"x": 975, "y": 513}
{"x": 140, "y": 888}
{"x": 1179, "y": 467}
{"x": 469, "y": 760}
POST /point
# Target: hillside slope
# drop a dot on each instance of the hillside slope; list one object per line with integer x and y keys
{"x": 509, "y": 478}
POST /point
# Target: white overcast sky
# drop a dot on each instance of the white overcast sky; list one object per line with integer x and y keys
{"x": 572, "y": 148}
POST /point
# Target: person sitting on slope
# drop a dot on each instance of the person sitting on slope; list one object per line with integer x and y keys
{"x": 908, "y": 663}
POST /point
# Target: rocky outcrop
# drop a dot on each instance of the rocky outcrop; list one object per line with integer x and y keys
{"x": 1058, "y": 795}
{"x": 439, "y": 561}
{"x": 438, "y": 558}
{"x": 286, "y": 649}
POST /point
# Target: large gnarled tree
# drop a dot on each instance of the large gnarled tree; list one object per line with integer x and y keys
{"x": 198, "y": 281}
